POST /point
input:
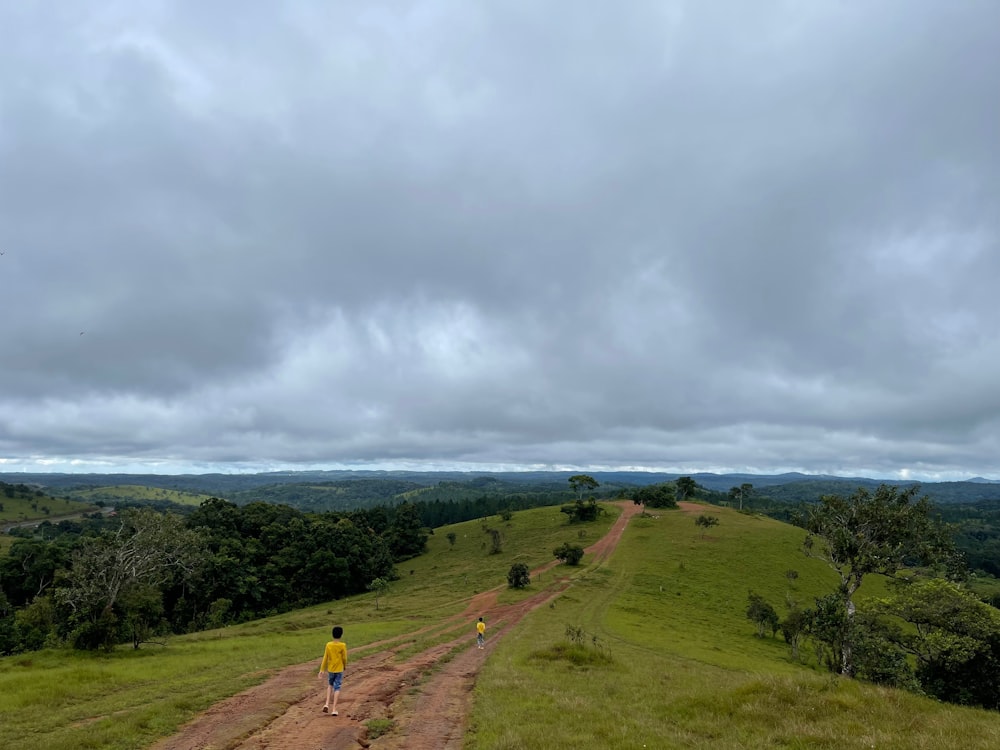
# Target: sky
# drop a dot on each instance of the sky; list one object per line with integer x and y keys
{"x": 657, "y": 235}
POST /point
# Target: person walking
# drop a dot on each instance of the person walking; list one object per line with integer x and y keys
{"x": 480, "y": 633}
{"x": 334, "y": 663}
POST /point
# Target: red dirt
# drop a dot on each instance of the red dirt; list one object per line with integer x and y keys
{"x": 427, "y": 697}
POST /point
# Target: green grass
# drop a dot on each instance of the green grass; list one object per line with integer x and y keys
{"x": 685, "y": 668}
{"x": 675, "y": 664}
{"x": 64, "y": 699}
{"x": 17, "y": 509}
{"x": 59, "y": 699}
{"x": 140, "y": 493}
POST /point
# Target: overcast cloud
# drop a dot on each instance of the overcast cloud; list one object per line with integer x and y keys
{"x": 719, "y": 236}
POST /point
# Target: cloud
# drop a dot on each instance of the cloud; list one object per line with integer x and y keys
{"x": 664, "y": 235}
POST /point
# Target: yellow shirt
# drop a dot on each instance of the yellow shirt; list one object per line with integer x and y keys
{"x": 334, "y": 657}
{"x": 480, "y": 627}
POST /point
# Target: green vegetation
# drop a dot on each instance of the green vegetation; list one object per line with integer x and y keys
{"x": 687, "y": 668}
{"x": 518, "y": 577}
{"x": 651, "y": 648}
{"x": 62, "y": 700}
{"x": 138, "y": 494}
{"x": 144, "y": 574}
{"x": 20, "y": 503}
{"x": 378, "y": 727}
{"x": 58, "y": 699}
{"x": 571, "y": 554}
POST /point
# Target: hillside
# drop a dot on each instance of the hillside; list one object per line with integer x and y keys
{"x": 667, "y": 658}
{"x": 377, "y": 487}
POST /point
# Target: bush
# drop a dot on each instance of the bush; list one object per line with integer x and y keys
{"x": 518, "y": 577}
{"x": 571, "y": 554}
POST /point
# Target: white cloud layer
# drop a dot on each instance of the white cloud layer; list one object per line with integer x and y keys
{"x": 670, "y": 235}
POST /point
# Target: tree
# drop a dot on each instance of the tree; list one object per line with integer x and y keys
{"x": 582, "y": 482}
{"x": 761, "y": 614}
{"x": 571, "y": 554}
{"x": 518, "y": 576}
{"x": 496, "y": 541}
{"x": 379, "y": 586}
{"x": 741, "y": 494}
{"x": 795, "y": 627}
{"x": 655, "y": 496}
{"x": 706, "y": 522}
{"x": 582, "y": 512}
{"x": 686, "y": 487}
{"x": 955, "y": 640}
{"x": 147, "y": 549}
{"x": 406, "y": 534}
{"x": 867, "y": 533}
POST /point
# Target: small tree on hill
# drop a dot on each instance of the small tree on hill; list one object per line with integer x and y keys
{"x": 379, "y": 586}
{"x": 761, "y": 614}
{"x": 795, "y": 627}
{"x": 496, "y": 541}
{"x": 706, "y": 522}
{"x": 518, "y": 576}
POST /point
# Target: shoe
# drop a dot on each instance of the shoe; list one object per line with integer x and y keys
{"x": 326, "y": 709}
{"x": 334, "y": 713}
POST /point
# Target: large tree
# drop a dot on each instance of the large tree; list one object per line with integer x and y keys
{"x": 581, "y": 483}
{"x": 741, "y": 494}
{"x": 147, "y": 549}
{"x": 685, "y": 487}
{"x": 873, "y": 532}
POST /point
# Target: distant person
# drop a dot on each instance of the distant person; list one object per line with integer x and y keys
{"x": 334, "y": 662}
{"x": 480, "y": 633}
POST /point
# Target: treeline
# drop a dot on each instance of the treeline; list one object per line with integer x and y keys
{"x": 141, "y": 574}
{"x": 977, "y": 533}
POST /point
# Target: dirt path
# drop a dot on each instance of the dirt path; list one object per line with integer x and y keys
{"x": 427, "y": 695}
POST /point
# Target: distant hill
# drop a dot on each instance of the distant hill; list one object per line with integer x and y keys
{"x": 362, "y": 488}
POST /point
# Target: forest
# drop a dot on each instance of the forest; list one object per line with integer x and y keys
{"x": 151, "y": 568}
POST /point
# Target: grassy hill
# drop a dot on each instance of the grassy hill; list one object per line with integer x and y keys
{"x": 666, "y": 657}
{"x": 19, "y": 503}
{"x": 140, "y": 494}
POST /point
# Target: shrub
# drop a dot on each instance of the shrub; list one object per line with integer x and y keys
{"x": 571, "y": 554}
{"x": 518, "y": 577}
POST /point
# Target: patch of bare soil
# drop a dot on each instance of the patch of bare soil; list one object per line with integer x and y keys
{"x": 428, "y": 696}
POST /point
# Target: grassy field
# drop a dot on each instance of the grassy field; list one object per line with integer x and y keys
{"x": 59, "y": 699}
{"x": 676, "y": 663}
{"x": 139, "y": 493}
{"x": 666, "y": 657}
{"x": 16, "y": 509}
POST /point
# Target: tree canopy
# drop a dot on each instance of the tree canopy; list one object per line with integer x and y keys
{"x": 874, "y": 532}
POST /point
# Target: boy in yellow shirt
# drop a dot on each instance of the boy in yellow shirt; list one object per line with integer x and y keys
{"x": 334, "y": 662}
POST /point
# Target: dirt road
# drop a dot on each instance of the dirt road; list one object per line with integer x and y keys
{"x": 427, "y": 695}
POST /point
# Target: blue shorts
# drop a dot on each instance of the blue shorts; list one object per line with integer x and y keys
{"x": 335, "y": 679}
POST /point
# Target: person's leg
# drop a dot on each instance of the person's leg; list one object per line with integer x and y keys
{"x": 336, "y": 692}
{"x": 326, "y": 705}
